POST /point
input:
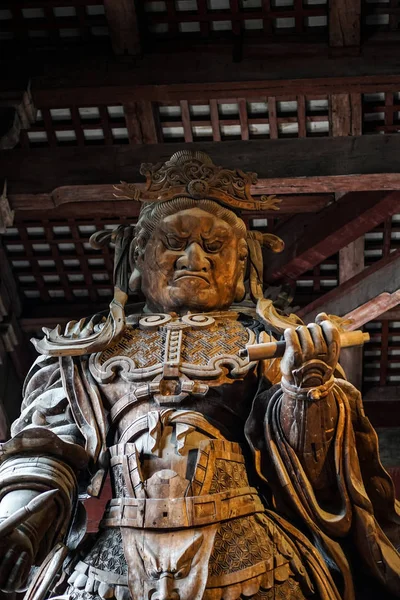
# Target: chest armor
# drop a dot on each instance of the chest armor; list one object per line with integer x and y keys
{"x": 166, "y": 358}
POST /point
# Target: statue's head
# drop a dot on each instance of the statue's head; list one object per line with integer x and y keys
{"x": 190, "y": 255}
{"x": 190, "y": 249}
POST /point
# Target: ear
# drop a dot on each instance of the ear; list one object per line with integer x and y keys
{"x": 135, "y": 281}
{"x": 243, "y": 252}
{"x": 240, "y": 290}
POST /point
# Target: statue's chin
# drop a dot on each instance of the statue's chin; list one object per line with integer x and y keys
{"x": 183, "y": 296}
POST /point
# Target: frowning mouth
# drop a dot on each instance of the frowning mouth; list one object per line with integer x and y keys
{"x": 191, "y": 275}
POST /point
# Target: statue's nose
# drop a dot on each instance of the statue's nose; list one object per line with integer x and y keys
{"x": 193, "y": 259}
{"x": 165, "y": 589}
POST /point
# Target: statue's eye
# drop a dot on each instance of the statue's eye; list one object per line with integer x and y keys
{"x": 213, "y": 245}
{"x": 174, "y": 243}
{"x": 182, "y": 572}
{"x": 154, "y": 573}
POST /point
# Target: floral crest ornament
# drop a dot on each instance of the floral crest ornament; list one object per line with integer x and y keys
{"x": 194, "y": 174}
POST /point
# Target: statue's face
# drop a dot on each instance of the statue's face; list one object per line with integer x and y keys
{"x": 193, "y": 261}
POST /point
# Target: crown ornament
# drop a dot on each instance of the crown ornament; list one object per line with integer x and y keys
{"x": 194, "y": 174}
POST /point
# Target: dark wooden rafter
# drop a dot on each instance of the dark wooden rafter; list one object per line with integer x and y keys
{"x": 283, "y": 166}
{"x": 309, "y": 243}
{"x": 123, "y": 26}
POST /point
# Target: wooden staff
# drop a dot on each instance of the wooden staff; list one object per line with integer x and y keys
{"x": 277, "y": 349}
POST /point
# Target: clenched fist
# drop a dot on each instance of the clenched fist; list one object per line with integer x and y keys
{"x": 311, "y": 356}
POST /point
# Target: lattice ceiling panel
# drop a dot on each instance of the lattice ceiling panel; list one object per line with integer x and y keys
{"x": 381, "y": 15}
{"x": 215, "y": 120}
{"x": 77, "y": 126}
{"x": 381, "y": 112}
{"x": 205, "y": 18}
{"x": 53, "y": 260}
{"x": 52, "y": 21}
{"x": 245, "y": 118}
{"x": 210, "y": 120}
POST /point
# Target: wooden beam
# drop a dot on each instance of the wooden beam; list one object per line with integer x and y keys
{"x": 344, "y": 23}
{"x": 89, "y": 75}
{"x": 283, "y": 165}
{"x": 310, "y": 242}
{"x": 375, "y": 308}
{"x": 123, "y": 27}
{"x": 345, "y": 116}
{"x": 89, "y": 198}
{"x": 351, "y": 262}
{"x": 382, "y": 276}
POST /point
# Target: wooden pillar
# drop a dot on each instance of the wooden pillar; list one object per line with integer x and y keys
{"x": 351, "y": 262}
{"x": 345, "y": 24}
{"x": 123, "y": 26}
{"x": 345, "y": 120}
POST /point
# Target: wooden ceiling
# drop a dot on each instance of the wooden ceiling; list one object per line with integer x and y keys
{"x": 304, "y": 92}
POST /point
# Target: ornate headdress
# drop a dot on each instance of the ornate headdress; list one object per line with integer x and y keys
{"x": 186, "y": 174}
{"x": 194, "y": 175}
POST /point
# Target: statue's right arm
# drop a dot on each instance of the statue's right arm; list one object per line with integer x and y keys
{"x": 45, "y": 452}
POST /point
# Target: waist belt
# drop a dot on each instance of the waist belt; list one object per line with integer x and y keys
{"x": 180, "y": 513}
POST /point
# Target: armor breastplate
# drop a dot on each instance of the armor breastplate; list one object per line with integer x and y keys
{"x": 166, "y": 358}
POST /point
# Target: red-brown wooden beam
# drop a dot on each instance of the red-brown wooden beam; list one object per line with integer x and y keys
{"x": 86, "y": 199}
{"x": 291, "y": 166}
{"x": 309, "y": 242}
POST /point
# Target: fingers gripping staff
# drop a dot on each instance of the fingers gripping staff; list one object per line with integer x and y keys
{"x": 310, "y": 359}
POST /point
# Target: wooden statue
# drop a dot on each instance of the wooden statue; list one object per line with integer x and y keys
{"x": 233, "y": 477}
